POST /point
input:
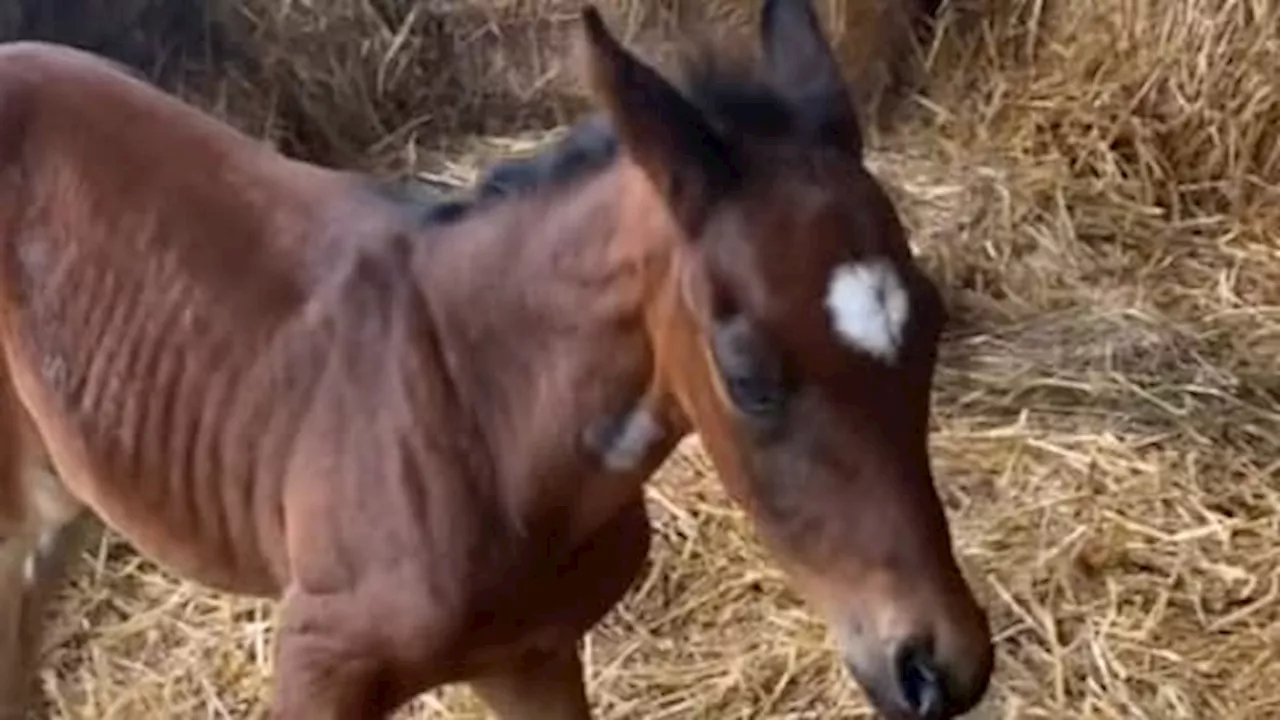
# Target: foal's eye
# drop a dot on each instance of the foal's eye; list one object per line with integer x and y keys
{"x": 751, "y": 374}
{"x": 754, "y": 395}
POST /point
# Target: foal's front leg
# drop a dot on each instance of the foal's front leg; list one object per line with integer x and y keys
{"x": 541, "y": 686}
{"x": 549, "y": 684}
{"x": 327, "y": 668}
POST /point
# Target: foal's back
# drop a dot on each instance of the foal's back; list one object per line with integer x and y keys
{"x": 163, "y": 292}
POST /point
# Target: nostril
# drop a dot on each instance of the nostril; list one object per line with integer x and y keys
{"x": 919, "y": 681}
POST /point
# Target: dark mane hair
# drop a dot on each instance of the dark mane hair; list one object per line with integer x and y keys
{"x": 736, "y": 100}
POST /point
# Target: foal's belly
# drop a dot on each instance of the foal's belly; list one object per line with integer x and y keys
{"x": 137, "y": 456}
{"x": 192, "y": 543}
{"x": 204, "y": 534}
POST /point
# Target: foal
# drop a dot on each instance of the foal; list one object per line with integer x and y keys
{"x": 427, "y": 432}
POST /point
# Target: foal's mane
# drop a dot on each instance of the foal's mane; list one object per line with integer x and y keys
{"x": 734, "y": 97}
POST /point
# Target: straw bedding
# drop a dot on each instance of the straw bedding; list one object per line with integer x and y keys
{"x": 1097, "y": 185}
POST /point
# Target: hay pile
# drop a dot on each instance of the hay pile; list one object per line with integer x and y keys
{"x": 372, "y": 83}
{"x": 1097, "y": 184}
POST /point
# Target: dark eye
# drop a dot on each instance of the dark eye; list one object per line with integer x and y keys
{"x": 754, "y": 395}
{"x": 751, "y": 373}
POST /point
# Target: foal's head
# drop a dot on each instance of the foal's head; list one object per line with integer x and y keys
{"x": 802, "y": 345}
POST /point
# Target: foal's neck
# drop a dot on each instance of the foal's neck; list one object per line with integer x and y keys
{"x": 546, "y": 307}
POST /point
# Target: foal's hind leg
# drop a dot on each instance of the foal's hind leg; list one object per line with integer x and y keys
{"x": 32, "y": 571}
{"x": 39, "y": 533}
{"x": 17, "y": 675}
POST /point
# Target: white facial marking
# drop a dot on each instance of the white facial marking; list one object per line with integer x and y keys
{"x": 869, "y": 307}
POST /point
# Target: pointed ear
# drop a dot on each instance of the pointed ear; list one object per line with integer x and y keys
{"x": 804, "y": 69}
{"x": 692, "y": 164}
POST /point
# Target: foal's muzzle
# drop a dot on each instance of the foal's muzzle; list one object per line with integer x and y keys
{"x": 920, "y": 685}
{"x": 909, "y": 682}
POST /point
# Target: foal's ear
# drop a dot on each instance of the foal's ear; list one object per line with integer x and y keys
{"x": 669, "y": 138}
{"x": 804, "y": 69}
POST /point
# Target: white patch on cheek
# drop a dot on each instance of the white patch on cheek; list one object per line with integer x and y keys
{"x": 869, "y": 307}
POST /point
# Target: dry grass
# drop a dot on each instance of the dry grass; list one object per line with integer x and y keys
{"x": 1098, "y": 186}
{"x": 373, "y": 82}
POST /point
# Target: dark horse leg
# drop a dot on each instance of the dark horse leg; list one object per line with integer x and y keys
{"x": 548, "y": 684}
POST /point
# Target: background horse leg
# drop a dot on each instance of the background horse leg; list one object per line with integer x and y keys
{"x": 542, "y": 686}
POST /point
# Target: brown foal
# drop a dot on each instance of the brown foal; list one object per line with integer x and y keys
{"x": 425, "y": 428}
